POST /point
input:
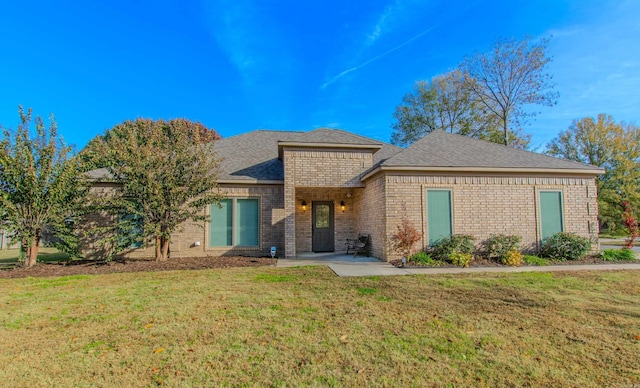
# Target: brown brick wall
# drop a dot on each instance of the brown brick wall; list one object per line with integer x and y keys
{"x": 486, "y": 205}
{"x": 306, "y": 170}
{"x": 327, "y": 168}
{"x": 371, "y": 214}
{"x": 183, "y": 241}
{"x": 344, "y": 222}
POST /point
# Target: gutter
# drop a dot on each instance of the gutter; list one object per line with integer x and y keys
{"x": 512, "y": 170}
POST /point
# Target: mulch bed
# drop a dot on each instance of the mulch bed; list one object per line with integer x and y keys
{"x": 94, "y": 267}
{"x": 481, "y": 262}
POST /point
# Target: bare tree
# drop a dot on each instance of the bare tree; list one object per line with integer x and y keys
{"x": 445, "y": 104}
{"x": 508, "y": 77}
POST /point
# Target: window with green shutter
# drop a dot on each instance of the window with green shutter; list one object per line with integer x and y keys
{"x": 550, "y": 213}
{"x": 439, "y": 220}
{"x": 235, "y": 223}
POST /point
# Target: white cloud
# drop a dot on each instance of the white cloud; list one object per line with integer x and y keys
{"x": 388, "y": 17}
{"x": 249, "y": 40}
{"x": 377, "y": 57}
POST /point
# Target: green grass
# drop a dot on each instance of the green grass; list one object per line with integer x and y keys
{"x": 619, "y": 243}
{"x": 618, "y": 255}
{"x": 10, "y": 256}
{"x": 307, "y": 327}
{"x": 619, "y": 233}
{"x": 535, "y": 260}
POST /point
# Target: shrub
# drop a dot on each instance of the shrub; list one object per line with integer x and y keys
{"x": 406, "y": 236}
{"x": 423, "y": 258}
{"x": 461, "y": 259}
{"x": 458, "y": 243}
{"x": 631, "y": 223}
{"x": 512, "y": 258}
{"x": 535, "y": 260}
{"x": 618, "y": 255}
{"x": 565, "y": 246}
{"x": 498, "y": 246}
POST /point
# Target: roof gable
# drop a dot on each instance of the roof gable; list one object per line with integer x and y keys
{"x": 253, "y": 156}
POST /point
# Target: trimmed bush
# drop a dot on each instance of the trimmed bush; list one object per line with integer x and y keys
{"x": 535, "y": 260}
{"x": 618, "y": 255}
{"x": 512, "y": 258}
{"x": 565, "y": 246}
{"x": 498, "y": 246}
{"x": 458, "y": 243}
{"x": 461, "y": 259}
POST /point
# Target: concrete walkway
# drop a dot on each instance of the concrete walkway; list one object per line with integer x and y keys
{"x": 347, "y": 265}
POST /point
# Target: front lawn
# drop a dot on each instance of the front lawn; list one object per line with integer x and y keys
{"x": 305, "y": 326}
{"x": 10, "y": 256}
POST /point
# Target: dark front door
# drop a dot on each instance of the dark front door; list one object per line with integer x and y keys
{"x": 322, "y": 228}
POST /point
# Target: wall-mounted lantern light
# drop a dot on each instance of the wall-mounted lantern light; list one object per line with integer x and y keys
{"x": 342, "y": 206}
{"x": 304, "y": 205}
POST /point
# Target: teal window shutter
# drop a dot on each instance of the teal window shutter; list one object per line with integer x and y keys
{"x": 221, "y": 226}
{"x": 247, "y": 219}
{"x": 550, "y": 213}
{"x": 439, "y": 221}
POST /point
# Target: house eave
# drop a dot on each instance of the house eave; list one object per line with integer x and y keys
{"x": 250, "y": 182}
{"x": 335, "y": 146}
{"x": 486, "y": 170}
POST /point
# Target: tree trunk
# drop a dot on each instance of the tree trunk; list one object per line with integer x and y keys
{"x": 31, "y": 253}
{"x": 162, "y": 248}
{"x": 506, "y": 132}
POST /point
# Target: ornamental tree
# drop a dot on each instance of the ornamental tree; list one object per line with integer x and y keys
{"x": 631, "y": 223}
{"x": 406, "y": 236}
{"x": 41, "y": 187}
{"x": 165, "y": 173}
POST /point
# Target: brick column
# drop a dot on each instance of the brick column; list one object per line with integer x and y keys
{"x": 289, "y": 205}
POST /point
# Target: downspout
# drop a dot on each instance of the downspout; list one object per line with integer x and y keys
{"x": 535, "y": 213}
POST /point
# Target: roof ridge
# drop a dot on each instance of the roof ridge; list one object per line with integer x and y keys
{"x": 260, "y": 130}
{"x": 354, "y": 134}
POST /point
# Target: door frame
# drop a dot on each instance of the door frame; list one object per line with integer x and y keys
{"x": 331, "y": 231}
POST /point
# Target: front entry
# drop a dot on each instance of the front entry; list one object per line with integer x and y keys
{"x": 322, "y": 227}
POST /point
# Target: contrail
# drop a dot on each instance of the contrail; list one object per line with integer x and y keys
{"x": 384, "y": 54}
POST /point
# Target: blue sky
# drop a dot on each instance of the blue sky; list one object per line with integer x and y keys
{"x": 242, "y": 65}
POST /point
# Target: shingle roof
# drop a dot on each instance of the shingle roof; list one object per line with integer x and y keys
{"x": 441, "y": 149}
{"x": 254, "y": 155}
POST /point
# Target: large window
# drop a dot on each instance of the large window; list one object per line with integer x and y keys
{"x": 235, "y": 223}
{"x": 439, "y": 220}
{"x": 550, "y": 213}
{"x": 129, "y": 231}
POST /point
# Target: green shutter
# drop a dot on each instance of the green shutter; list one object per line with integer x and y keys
{"x": 220, "y": 232}
{"x": 247, "y": 219}
{"x": 550, "y": 213}
{"x": 438, "y": 214}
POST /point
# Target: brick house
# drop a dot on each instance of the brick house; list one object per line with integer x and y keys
{"x": 309, "y": 191}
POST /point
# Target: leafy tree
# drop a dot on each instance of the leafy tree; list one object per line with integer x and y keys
{"x": 41, "y": 185}
{"x": 91, "y": 158}
{"x": 445, "y": 104}
{"x": 508, "y": 77}
{"x": 166, "y": 173}
{"x": 613, "y": 146}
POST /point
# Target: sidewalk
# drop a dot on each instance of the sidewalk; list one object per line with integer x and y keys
{"x": 346, "y": 266}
